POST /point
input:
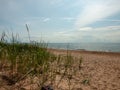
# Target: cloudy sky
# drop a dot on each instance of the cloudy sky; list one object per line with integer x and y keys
{"x": 62, "y": 20}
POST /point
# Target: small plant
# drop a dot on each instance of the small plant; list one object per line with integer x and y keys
{"x": 80, "y": 63}
{"x": 86, "y": 82}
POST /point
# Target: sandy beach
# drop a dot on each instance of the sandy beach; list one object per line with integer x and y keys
{"x": 102, "y": 69}
{"x": 59, "y": 44}
{"x": 98, "y": 71}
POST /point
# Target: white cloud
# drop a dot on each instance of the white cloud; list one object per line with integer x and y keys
{"x": 94, "y": 11}
{"x": 84, "y": 34}
{"x": 46, "y": 19}
{"x": 68, "y": 18}
{"x": 108, "y": 28}
{"x": 99, "y": 29}
{"x": 85, "y": 29}
{"x": 109, "y": 20}
{"x": 88, "y": 34}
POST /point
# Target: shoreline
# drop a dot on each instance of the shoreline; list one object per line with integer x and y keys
{"x": 84, "y": 51}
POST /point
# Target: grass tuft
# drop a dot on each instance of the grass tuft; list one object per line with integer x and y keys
{"x": 33, "y": 62}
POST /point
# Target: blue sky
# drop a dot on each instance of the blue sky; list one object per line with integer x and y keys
{"x": 62, "y": 20}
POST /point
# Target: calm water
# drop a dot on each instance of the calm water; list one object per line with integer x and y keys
{"x": 111, "y": 47}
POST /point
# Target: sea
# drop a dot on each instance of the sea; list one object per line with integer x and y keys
{"x": 106, "y": 47}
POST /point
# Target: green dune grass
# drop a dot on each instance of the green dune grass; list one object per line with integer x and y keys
{"x": 24, "y": 60}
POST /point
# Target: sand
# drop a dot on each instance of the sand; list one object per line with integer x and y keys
{"x": 100, "y": 69}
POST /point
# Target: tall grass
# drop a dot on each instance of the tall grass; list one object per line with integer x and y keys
{"x": 21, "y": 61}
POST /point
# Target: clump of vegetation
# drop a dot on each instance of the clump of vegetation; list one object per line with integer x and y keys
{"x": 23, "y": 57}
{"x": 33, "y": 63}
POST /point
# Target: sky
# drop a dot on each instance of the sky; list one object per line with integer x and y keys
{"x": 62, "y": 21}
